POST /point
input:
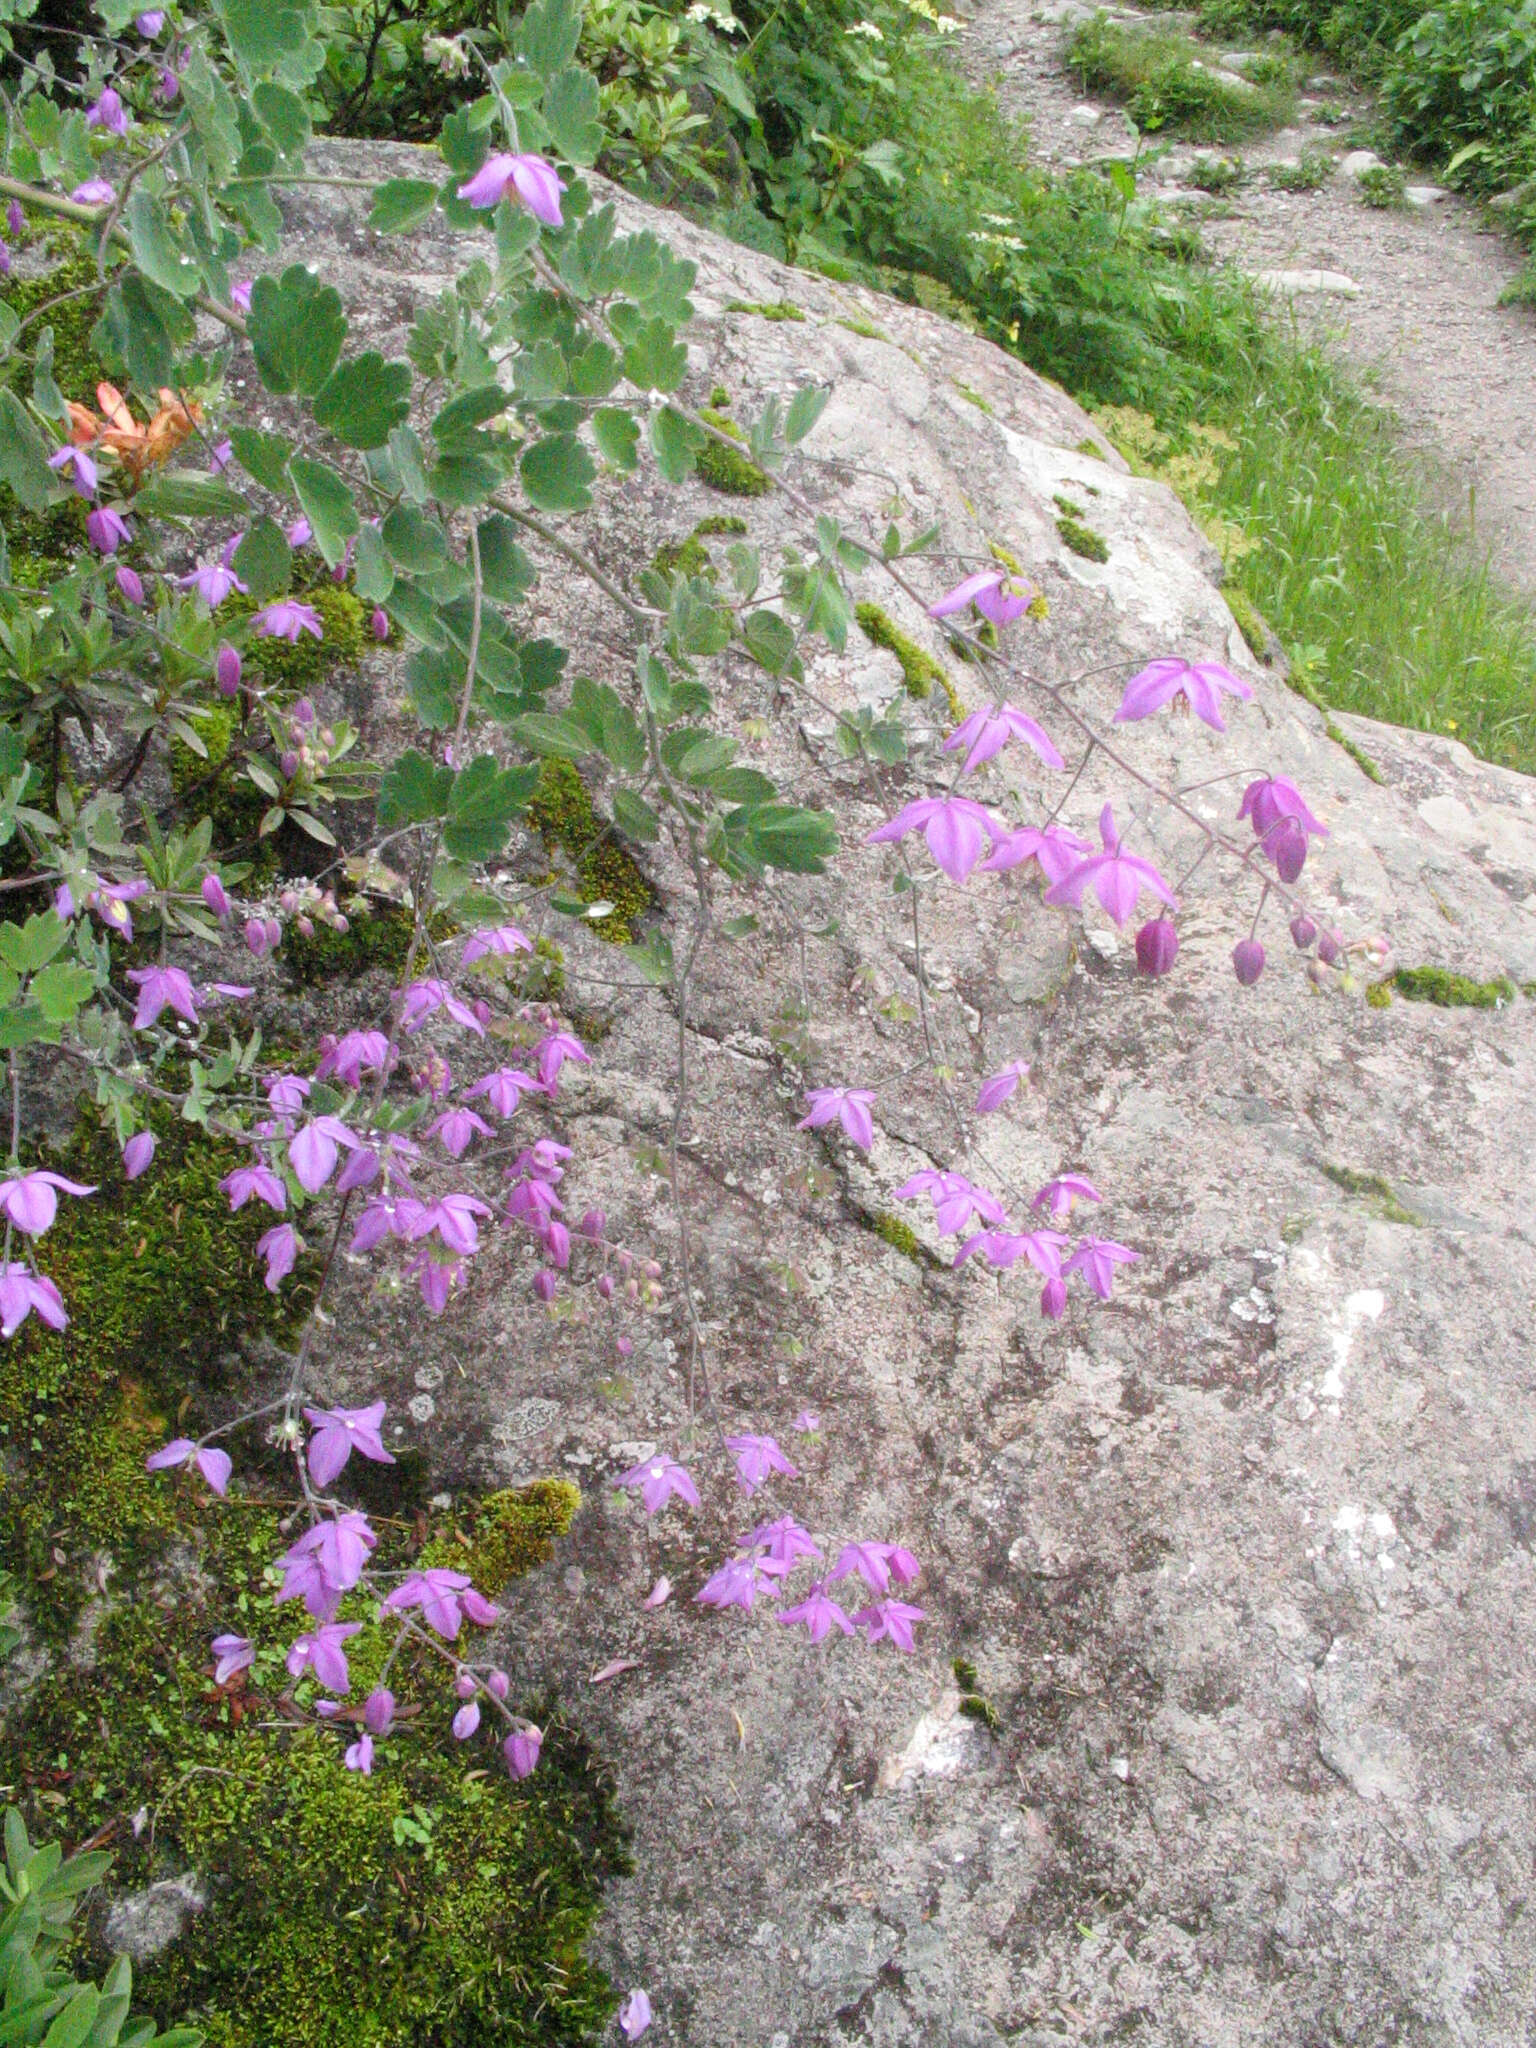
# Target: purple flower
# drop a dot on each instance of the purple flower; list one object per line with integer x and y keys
{"x": 150, "y": 24}
{"x": 890, "y": 1621}
{"x": 314, "y": 1151}
{"x": 378, "y": 620}
{"x": 226, "y": 671}
{"x": 784, "y": 1541}
{"x": 30, "y": 1202}
{"x": 869, "y": 1560}
{"x": 379, "y": 1711}
{"x": 756, "y": 1458}
{"x": 220, "y": 456}
{"x": 107, "y": 111}
{"x": 1286, "y": 845}
{"x": 735, "y": 1584}
{"x": 107, "y": 529}
{"x": 1194, "y": 686}
{"x": 551, "y": 1054}
{"x": 820, "y": 1614}
{"x": 521, "y": 1750}
{"x": 1005, "y": 1248}
{"x": 84, "y": 475}
{"x": 321, "y": 1652}
{"x": 1000, "y": 1087}
{"x": 1248, "y": 961}
{"x": 130, "y": 585}
{"x": 634, "y": 2015}
{"x": 658, "y": 1479}
{"x": 5, "y": 259}
{"x": 955, "y": 1199}
{"x": 231, "y": 1654}
{"x": 446, "y": 1600}
{"x": 213, "y": 581}
{"x": 359, "y": 1755}
{"x": 211, "y": 1462}
{"x": 457, "y": 1129}
{"x": 286, "y": 620}
{"x": 529, "y": 179}
{"x": 993, "y": 596}
{"x": 1059, "y": 1194}
{"x": 94, "y": 192}
{"x": 352, "y": 1055}
{"x": 1303, "y": 930}
{"x": 169, "y": 85}
{"x": 21, "y": 1291}
{"x": 300, "y": 534}
{"x": 279, "y": 1246}
{"x": 987, "y": 732}
{"x": 137, "y": 1153}
{"x": 15, "y": 219}
{"x": 954, "y": 827}
{"x": 466, "y": 1721}
{"x": 807, "y": 1422}
{"x": 502, "y": 940}
{"x": 422, "y": 998}
{"x": 1275, "y": 797}
{"x": 258, "y": 1180}
{"x": 1096, "y": 1259}
{"x": 1053, "y": 849}
{"x": 327, "y": 1561}
{"x": 213, "y": 894}
{"x": 849, "y": 1107}
{"x": 240, "y": 295}
{"x": 162, "y": 988}
{"x": 1157, "y": 946}
{"x": 338, "y": 1432}
{"x": 1118, "y": 877}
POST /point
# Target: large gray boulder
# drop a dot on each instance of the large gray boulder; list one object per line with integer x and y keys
{"x": 1243, "y": 1559}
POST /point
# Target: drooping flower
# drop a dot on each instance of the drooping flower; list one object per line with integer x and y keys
{"x": 379, "y": 1711}
{"x": 552, "y": 1052}
{"x": 150, "y": 23}
{"x": 1157, "y": 946}
{"x": 1005, "y": 1248}
{"x": 279, "y": 1246}
{"x": 502, "y": 942}
{"x": 213, "y": 581}
{"x": 987, "y": 732}
{"x": 1274, "y": 797}
{"x": 955, "y": 1199}
{"x": 452, "y": 1218}
{"x": 110, "y": 903}
{"x": 256, "y": 1180}
{"x": 231, "y": 1654}
{"x": 21, "y": 1291}
{"x": 137, "y": 1153}
{"x": 1054, "y": 850}
{"x": 31, "y": 1200}
{"x": 521, "y": 1750}
{"x": 240, "y": 295}
{"x": 634, "y": 2015}
{"x": 130, "y": 585}
{"x": 1248, "y": 961}
{"x": 300, "y": 534}
{"x": 1197, "y": 686}
{"x": 315, "y": 1149}
{"x": 1118, "y": 878}
{"x": 107, "y": 529}
{"x": 214, "y": 1464}
{"x": 869, "y": 1560}
{"x": 783, "y": 1541}
{"x": 890, "y": 1621}
{"x": 338, "y": 1432}
{"x": 446, "y": 1599}
{"x": 1303, "y": 931}
{"x": 806, "y": 1423}
{"x": 458, "y": 1128}
{"x": 735, "y": 1584}
{"x": 286, "y": 620}
{"x": 993, "y": 594}
{"x": 1000, "y": 1087}
{"x": 358, "y": 1755}
{"x": 320, "y": 1651}
{"x": 529, "y": 180}
{"x": 423, "y": 998}
{"x": 658, "y": 1479}
{"x": 757, "y": 1458}
{"x": 226, "y": 672}
{"x": 849, "y": 1107}
{"x": 1096, "y": 1259}
{"x": 819, "y": 1613}
{"x": 107, "y": 111}
{"x": 85, "y": 475}
{"x": 955, "y": 829}
{"x": 94, "y": 192}
{"x": 466, "y": 1721}
{"x": 162, "y": 988}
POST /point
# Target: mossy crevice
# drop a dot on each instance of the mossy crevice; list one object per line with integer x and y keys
{"x": 723, "y": 468}
{"x": 766, "y": 309}
{"x": 1450, "y": 991}
{"x": 562, "y": 814}
{"x": 919, "y": 671}
{"x": 1082, "y": 540}
{"x": 1376, "y": 1189}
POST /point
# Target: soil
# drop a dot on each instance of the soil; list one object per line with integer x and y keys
{"x": 1426, "y": 329}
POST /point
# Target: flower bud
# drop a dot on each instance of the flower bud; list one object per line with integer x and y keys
{"x": 593, "y": 1224}
{"x": 521, "y": 1750}
{"x": 497, "y": 1684}
{"x": 605, "y": 1286}
{"x": 544, "y": 1284}
{"x": 1157, "y": 946}
{"x": 1053, "y": 1300}
{"x": 131, "y": 584}
{"x": 1286, "y": 846}
{"x": 137, "y": 1153}
{"x": 340, "y": 924}
{"x": 1329, "y": 947}
{"x": 288, "y": 902}
{"x": 289, "y": 764}
{"x": 624, "y": 1347}
{"x": 274, "y": 933}
{"x": 1303, "y": 930}
{"x": 1317, "y": 973}
{"x": 305, "y": 927}
{"x": 256, "y": 936}
{"x": 226, "y": 670}
{"x": 15, "y": 219}
{"x": 1247, "y": 961}
{"x": 652, "y": 1270}
{"x": 379, "y": 1711}
{"x": 465, "y": 1686}
{"x": 378, "y": 625}
{"x": 466, "y": 1721}
{"x": 214, "y": 896}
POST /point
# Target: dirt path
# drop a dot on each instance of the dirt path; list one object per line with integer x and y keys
{"x": 1424, "y": 323}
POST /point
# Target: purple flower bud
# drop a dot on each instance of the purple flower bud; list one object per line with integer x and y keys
{"x": 1286, "y": 846}
{"x": 15, "y": 219}
{"x": 1053, "y": 1300}
{"x": 256, "y": 936}
{"x": 624, "y": 1347}
{"x": 593, "y": 1224}
{"x": 5, "y": 260}
{"x": 1329, "y": 947}
{"x": 137, "y": 1153}
{"x": 226, "y": 670}
{"x": 305, "y": 927}
{"x": 498, "y": 1685}
{"x": 274, "y": 933}
{"x": 544, "y": 1284}
{"x": 379, "y": 1711}
{"x": 1157, "y": 946}
{"x": 340, "y": 924}
{"x": 288, "y": 902}
{"x": 214, "y": 896}
{"x": 466, "y": 1721}
{"x": 1303, "y": 930}
{"x": 289, "y": 764}
{"x": 521, "y": 1750}
{"x": 464, "y": 1686}
{"x": 1247, "y": 961}
{"x": 378, "y": 625}
{"x": 131, "y": 585}
{"x": 605, "y": 1286}
{"x": 169, "y": 86}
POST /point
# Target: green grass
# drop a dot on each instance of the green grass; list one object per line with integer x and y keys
{"x": 1171, "y": 84}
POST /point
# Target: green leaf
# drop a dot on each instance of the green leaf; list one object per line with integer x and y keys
{"x": 435, "y": 678}
{"x": 675, "y": 442}
{"x": 548, "y": 34}
{"x": 264, "y": 457}
{"x": 264, "y": 560}
{"x": 506, "y": 573}
{"x": 284, "y": 116}
{"x": 706, "y": 757}
{"x": 784, "y": 836}
{"x": 296, "y": 327}
{"x": 572, "y": 106}
{"x": 327, "y": 504}
{"x": 372, "y": 577}
{"x": 464, "y": 479}
{"x": 770, "y": 641}
{"x": 24, "y": 455}
{"x": 156, "y": 249}
{"x": 75, "y": 2021}
{"x": 617, "y": 434}
{"x": 455, "y": 425}
{"x": 594, "y": 372}
{"x": 29, "y": 946}
{"x": 61, "y": 989}
{"x": 185, "y": 494}
{"x": 805, "y": 409}
{"x": 416, "y": 543}
{"x": 557, "y": 473}
{"x": 260, "y": 33}
{"x": 485, "y": 800}
{"x": 364, "y": 400}
{"x": 401, "y": 203}
{"x": 635, "y": 817}
{"x": 413, "y": 791}
{"x": 655, "y": 360}
{"x": 551, "y": 733}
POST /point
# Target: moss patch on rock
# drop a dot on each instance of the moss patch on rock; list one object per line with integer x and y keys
{"x": 919, "y": 671}
{"x": 1451, "y": 991}
{"x": 722, "y": 468}
{"x": 1376, "y": 1189}
{"x": 1081, "y": 539}
{"x": 304, "y": 663}
{"x": 563, "y": 815}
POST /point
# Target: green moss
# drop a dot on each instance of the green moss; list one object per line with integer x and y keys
{"x": 721, "y": 523}
{"x": 509, "y": 1533}
{"x": 919, "y": 671}
{"x": 379, "y": 936}
{"x": 1374, "y": 1188}
{"x": 1379, "y": 995}
{"x": 865, "y": 327}
{"x": 972, "y": 1704}
{"x": 1006, "y": 556}
{"x": 1451, "y": 991}
{"x": 972, "y": 397}
{"x": 1250, "y": 621}
{"x": 303, "y": 664}
{"x": 1082, "y": 540}
{"x": 722, "y": 468}
{"x": 720, "y": 396}
{"x": 1088, "y": 446}
{"x": 563, "y": 815}
{"x": 1068, "y": 506}
{"x": 765, "y": 309}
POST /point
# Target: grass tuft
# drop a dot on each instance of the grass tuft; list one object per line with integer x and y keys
{"x": 1171, "y": 84}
